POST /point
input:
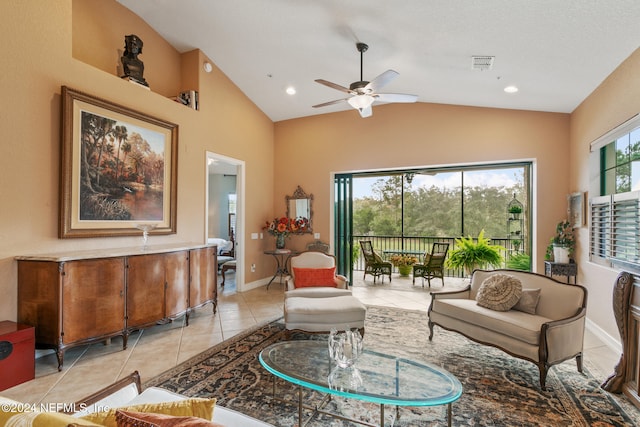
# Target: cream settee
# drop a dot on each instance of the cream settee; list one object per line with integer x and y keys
{"x": 552, "y": 333}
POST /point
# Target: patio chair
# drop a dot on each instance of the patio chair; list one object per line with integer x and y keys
{"x": 433, "y": 265}
{"x": 373, "y": 263}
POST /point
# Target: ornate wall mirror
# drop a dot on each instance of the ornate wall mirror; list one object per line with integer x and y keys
{"x": 299, "y": 208}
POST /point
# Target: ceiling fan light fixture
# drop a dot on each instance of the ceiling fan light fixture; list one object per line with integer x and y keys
{"x": 361, "y": 101}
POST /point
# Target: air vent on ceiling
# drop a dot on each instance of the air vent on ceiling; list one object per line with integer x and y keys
{"x": 482, "y": 62}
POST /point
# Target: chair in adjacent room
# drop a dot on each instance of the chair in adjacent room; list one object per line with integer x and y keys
{"x": 373, "y": 263}
{"x": 433, "y": 265}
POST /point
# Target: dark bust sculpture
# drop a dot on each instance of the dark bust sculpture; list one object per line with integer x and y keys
{"x": 132, "y": 66}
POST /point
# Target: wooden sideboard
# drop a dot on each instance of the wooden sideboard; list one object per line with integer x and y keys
{"x": 77, "y": 298}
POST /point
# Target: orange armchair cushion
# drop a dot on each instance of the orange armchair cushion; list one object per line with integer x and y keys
{"x": 307, "y": 277}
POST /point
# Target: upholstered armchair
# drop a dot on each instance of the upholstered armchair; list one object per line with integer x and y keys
{"x": 373, "y": 263}
{"x": 319, "y": 300}
{"x": 314, "y": 274}
{"x": 433, "y": 265}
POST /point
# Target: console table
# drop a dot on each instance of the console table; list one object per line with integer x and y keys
{"x": 560, "y": 269}
{"x": 76, "y": 298}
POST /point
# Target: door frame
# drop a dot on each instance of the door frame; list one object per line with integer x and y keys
{"x": 240, "y": 203}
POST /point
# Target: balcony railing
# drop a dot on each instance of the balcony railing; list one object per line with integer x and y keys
{"x": 421, "y": 244}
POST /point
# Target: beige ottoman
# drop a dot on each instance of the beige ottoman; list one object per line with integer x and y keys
{"x": 324, "y": 314}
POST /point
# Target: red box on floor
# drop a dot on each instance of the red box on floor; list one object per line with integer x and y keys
{"x": 17, "y": 354}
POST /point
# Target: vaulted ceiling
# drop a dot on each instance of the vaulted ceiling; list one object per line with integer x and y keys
{"x": 555, "y": 51}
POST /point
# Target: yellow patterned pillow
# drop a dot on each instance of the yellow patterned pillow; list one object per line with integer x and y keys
{"x": 196, "y": 407}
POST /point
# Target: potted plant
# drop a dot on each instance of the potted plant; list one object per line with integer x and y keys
{"x": 469, "y": 254}
{"x": 563, "y": 243}
{"x": 404, "y": 263}
{"x": 515, "y": 211}
{"x": 516, "y": 244}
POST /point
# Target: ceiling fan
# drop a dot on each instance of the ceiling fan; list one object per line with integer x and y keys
{"x": 364, "y": 93}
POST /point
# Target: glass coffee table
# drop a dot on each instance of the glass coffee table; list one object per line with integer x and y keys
{"x": 375, "y": 377}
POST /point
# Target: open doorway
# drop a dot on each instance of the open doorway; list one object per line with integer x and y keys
{"x": 224, "y": 211}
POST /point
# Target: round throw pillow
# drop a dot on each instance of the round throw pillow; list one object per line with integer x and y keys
{"x": 499, "y": 292}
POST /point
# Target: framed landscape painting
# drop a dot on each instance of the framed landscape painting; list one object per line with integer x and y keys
{"x": 118, "y": 169}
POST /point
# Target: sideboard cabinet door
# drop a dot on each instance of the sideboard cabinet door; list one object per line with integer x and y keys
{"x": 72, "y": 302}
{"x": 176, "y": 284}
{"x": 204, "y": 277}
{"x": 93, "y": 299}
{"x": 145, "y": 290}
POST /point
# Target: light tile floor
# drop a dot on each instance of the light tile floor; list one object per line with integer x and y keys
{"x": 154, "y": 350}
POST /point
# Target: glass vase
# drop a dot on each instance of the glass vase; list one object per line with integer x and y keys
{"x": 279, "y": 241}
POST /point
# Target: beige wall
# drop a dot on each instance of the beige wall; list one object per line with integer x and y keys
{"x": 37, "y": 50}
{"x": 613, "y": 102}
{"x": 40, "y": 54}
{"x": 310, "y": 149}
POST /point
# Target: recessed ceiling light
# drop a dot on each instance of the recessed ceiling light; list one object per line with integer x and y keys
{"x": 291, "y": 90}
{"x": 511, "y": 89}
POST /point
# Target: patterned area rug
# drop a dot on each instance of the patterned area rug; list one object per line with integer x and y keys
{"x": 498, "y": 390}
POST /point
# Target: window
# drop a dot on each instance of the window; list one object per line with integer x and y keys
{"x": 231, "y": 198}
{"x": 442, "y": 202}
{"x": 614, "y": 237}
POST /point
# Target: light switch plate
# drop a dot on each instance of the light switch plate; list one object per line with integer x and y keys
{"x": 316, "y": 236}
{"x": 254, "y": 236}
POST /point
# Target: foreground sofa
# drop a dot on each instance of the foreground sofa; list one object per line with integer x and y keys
{"x": 127, "y": 395}
{"x": 549, "y": 331}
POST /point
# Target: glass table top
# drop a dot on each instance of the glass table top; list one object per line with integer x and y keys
{"x": 375, "y": 377}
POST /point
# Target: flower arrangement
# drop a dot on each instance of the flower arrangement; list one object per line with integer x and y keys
{"x": 403, "y": 260}
{"x": 299, "y": 224}
{"x": 279, "y": 226}
{"x": 284, "y": 226}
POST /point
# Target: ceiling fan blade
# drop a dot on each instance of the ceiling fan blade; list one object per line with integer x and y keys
{"x": 380, "y": 81}
{"x": 365, "y": 112}
{"x": 395, "y": 97}
{"x": 325, "y": 104}
{"x": 334, "y": 86}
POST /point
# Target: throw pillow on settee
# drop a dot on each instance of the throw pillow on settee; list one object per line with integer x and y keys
{"x": 499, "y": 292}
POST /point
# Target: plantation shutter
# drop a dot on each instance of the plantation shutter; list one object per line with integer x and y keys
{"x": 625, "y": 229}
{"x": 615, "y": 230}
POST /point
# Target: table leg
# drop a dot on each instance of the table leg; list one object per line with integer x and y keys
{"x": 382, "y": 415}
{"x": 449, "y": 414}
{"x": 300, "y": 405}
{"x": 274, "y": 389}
{"x": 278, "y": 271}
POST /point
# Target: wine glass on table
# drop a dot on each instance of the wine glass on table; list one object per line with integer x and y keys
{"x": 146, "y": 228}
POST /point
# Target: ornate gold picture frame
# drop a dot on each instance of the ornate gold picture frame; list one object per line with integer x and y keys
{"x": 118, "y": 169}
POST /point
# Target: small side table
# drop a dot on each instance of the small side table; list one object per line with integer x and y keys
{"x": 282, "y": 257}
{"x": 560, "y": 269}
{"x": 17, "y": 354}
